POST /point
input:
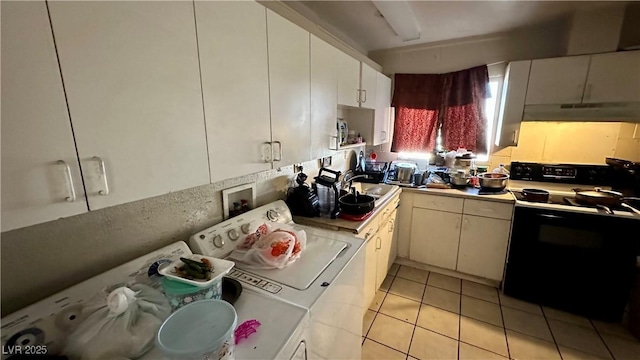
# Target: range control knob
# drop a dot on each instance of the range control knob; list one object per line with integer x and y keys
{"x": 233, "y": 234}
{"x": 202, "y": 236}
{"x": 218, "y": 241}
{"x": 273, "y": 215}
{"x": 246, "y": 228}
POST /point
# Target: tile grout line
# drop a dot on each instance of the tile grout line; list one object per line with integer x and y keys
{"x": 378, "y": 311}
{"x": 460, "y": 320}
{"x": 546, "y": 320}
{"x": 504, "y": 327}
{"x": 601, "y": 338}
{"x": 418, "y": 315}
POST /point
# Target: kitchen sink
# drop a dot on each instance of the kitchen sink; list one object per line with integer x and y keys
{"x": 378, "y": 191}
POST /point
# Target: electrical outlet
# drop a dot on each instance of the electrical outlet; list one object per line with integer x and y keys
{"x": 297, "y": 168}
{"x": 326, "y": 161}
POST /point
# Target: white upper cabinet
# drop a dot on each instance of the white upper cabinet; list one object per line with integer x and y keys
{"x": 289, "y": 83}
{"x": 348, "y": 80}
{"x": 557, "y": 80}
{"x": 40, "y": 173}
{"x": 324, "y": 96}
{"x": 368, "y": 82}
{"x": 613, "y": 77}
{"x": 131, "y": 75}
{"x": 512, "y": 104}
{"x": 382, "y": 117}
{"x": 232, "y": 38}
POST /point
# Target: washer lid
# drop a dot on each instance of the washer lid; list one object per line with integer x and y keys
{"x": 318, "y": 255}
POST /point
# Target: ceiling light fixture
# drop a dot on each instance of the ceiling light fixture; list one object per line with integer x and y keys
{"x": 399, "y": 16}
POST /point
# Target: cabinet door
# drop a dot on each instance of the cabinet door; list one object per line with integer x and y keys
{"x": 404, "y": 223}
{"x": 483, "y": 246}
{"x": 324, "y": 96}
{"x": 393, "y": 229}
{"x": 512, "y": 99}
{"x": 289, "y": 84}
{"x": 368, "y": 82}
{"x": 36, "y": 132}
{"x": 232, "y": 38}
{"x": 348, "y": 80}
{"x": 557, "y": 80}
{"x": 131, "y": 76}
{"x": 370, "y": 271}
{"x": 383, "y": 110}
{"x": 434, "y": 237}
{"x": 613, "y": 77}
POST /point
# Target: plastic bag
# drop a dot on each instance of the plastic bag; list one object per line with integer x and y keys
{"x": 271, "y": 246}
{"x": 119, "y": 325}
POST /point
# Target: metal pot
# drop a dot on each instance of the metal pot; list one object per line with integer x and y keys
{"x": 493, "y": 181}
{"x": 535, "y": 195}
{"x": 404, "y": 172}
{"x": 459, "y": 180}
{"x": 604, "y": 198}
{"x": 356, "y": 204}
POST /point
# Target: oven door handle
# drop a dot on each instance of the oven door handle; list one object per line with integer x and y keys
{"x": 549, "y": 216}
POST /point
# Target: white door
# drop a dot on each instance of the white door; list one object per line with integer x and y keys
{"x": 557, "y": 80}
{"x": 512, "y": 104}
{"x": 348, "y": 80}
{"x": 324, "y": 96}
{"x": 289, "y": 83}
{"x": 232, "y": 38}
{"x": 368, "y": 82}
{"x": 37, "y": 140}
{"x": 131, "y": 75}
{"x": 382, "y": 116}
{"x": 370, "y": 271}
{"x": 483, "y": 246}
{"x": 434, "y": 237}
{"x": 613, "y": 77}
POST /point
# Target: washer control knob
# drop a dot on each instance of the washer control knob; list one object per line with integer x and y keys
{"x": 218, "y": 241}
{"x": 273, "y": 215}
{"x": 246, "y": 228}
{"x": 233, "y": 234}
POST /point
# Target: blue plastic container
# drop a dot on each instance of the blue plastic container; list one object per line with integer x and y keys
{"x": 201, "y": 330}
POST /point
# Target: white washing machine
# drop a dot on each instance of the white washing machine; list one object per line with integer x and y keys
{"x": 47, "y": 323}
{"x": 327, "y": 279}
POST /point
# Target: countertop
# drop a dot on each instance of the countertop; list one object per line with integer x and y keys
{"x": 345, "y": 225}
{"x": 467, "y": 193}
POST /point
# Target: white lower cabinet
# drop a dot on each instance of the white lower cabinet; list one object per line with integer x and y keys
{"x": 370, "y": 272}
{"x": 434, "y": 237}
{"x": 460, "y": 239}
{"x": 385, "y": 238}
{"x": 483, "y": 246}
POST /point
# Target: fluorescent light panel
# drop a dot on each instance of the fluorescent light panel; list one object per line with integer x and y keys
{"x": 399, "y": 16}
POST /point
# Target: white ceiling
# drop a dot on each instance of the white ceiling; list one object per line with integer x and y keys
{"x": 360, "y": 24}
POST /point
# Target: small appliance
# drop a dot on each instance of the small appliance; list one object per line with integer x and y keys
{"x": 302, "y": 199}
{"x": 328, "y": 190}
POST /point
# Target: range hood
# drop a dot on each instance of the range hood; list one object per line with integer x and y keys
{"x": 626, "y": 112}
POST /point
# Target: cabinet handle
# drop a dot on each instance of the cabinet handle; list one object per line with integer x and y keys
{"x": 392, "y": 225}
{"x": 358, "y": 96}
{"x": 279, "y": 151}
{"x": 267, "y": 151}
{"x": 486, "y": 209}
{"x": 384, "y": 213}
{"x": 103, "y": 172}
{"x": 458, "y": 223}
{"x": 587, "y": 92}
{"x": 365, "y": 96}
{"x": 72, "y": 189}
{"x": 465, "y": 224}
{"x": 379, "y": 241}
{"x": 579, "y": 92}
{"x": 366, "y": 236}
{"x": 383, "y": 135}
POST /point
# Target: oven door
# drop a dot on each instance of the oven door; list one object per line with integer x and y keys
{"x": 581, "y": 263}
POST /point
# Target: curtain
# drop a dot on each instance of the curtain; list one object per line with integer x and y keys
{"x": 463, "y": 118}
{"x": 416, "y": 98}
{"x": 453, "y": 102}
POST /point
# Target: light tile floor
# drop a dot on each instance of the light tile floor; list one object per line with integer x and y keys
{"x": 423, "y": 315}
